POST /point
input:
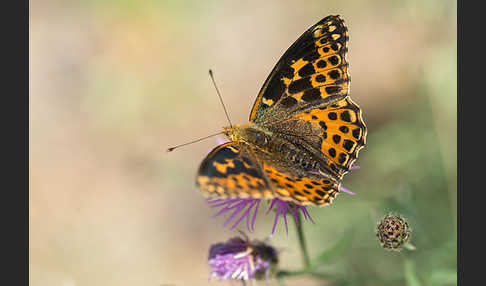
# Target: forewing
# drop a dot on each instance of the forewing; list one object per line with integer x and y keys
{"x": 312, "y": 72}
{"x": 228, "y": 173}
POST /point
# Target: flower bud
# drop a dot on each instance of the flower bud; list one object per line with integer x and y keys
{"x": 393, "y": 232}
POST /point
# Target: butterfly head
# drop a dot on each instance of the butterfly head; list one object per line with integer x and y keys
{"x": 233, "y": 132}
{"x": 247, "y": 133}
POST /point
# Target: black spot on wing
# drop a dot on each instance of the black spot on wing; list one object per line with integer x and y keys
{"x": 321, "y": 64}
{"x": 320, "y": 78}
{"x": 275, "y": 89}
{"x": 346, "y": 116}
{"x": 288, "y": 102}
{"x": 332, "y": 152}
{"x": 323, "y": 125}
{"x": 320, "y": 193}
{"x": 334, "y": 74}
{"x": 334, "y": 60}
{"x": 348, "y": 144}
{"x": 336, "y": 138}
{"x": 342, "y": 158}
{"x": 333, "y": 89}
{"x": 300, "y": 85}
{"x": 311, "y": 95}
{"x": 307, "y": 70}
{"x": 357, "y": 133}
{"x": 344, "y": 129}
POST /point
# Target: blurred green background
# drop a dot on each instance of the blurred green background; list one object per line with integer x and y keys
{"x": 114, "y": 83}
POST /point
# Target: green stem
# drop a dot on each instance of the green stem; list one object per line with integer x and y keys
{"x": 303, "y": 247}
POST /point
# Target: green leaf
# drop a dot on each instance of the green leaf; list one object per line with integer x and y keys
{"x": 335, "y": 252}
{"x": 410, "y": 274}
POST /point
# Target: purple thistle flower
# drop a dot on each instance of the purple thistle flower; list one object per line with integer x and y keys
{"x": 241, "y": 260}
{"x": 247, "y": 209}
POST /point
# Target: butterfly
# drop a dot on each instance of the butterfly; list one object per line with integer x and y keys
{"x": 304, "y": 131}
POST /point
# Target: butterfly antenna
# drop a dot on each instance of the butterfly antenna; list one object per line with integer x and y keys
{"x": 220, "y": 98}
{"x": 200, "y": 139}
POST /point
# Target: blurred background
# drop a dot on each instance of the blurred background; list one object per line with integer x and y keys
{"x": 114, "y": 83}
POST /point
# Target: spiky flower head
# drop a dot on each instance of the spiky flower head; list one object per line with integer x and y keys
{"x": 242, "y": 259}
{"x": 241, "y": 209}
{"x": 393, "y": 232}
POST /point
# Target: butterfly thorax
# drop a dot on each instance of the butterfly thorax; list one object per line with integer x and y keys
{"x": 280, "y": 151}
